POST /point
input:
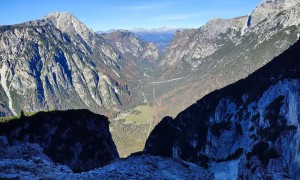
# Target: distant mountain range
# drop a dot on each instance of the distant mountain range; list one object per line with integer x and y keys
{"x": 160, "y": 36}
{"x": 145, "y": 30}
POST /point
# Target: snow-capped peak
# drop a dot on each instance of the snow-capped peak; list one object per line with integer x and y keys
{"x": 156, "y": 30}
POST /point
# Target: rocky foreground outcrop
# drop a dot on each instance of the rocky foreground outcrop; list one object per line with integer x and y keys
{"x": 78, "y": 139}
{"x": 75, "y": 144}
{"x": 247, "y": 130}
{"x": 135, "y": 167}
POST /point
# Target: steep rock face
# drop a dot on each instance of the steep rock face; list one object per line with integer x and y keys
{"x": 189, "y": 45}
{"x": 79, "y": 139}
{"x": 57, "y": 63}
{"x": 150, "y": 52}
{"x": 252, "y": 127}
{"x": 268, "y": 8}
{"x": 131, "y": 46}
{"x": 126, "y": 42}
{"x": 234, "y": 60}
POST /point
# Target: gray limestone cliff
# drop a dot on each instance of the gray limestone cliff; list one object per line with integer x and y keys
{"x": 58, "y": 63}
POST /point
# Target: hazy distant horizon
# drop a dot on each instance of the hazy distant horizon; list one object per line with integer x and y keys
{"x": 107, "y": 15}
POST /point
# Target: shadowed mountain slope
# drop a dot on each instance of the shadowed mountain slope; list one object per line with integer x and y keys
{"x": 79, "y": 139}
{"x": 251, "y": 126}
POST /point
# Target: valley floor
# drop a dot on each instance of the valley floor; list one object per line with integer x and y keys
{"x": 131, "y": 130}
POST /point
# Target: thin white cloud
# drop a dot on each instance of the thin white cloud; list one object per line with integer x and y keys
{"x": 185, "y": 16}
{"x": 171, "y": 17}
{"x": 145, "y": 7}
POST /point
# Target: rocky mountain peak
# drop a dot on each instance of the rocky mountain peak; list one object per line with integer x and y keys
{"x": 219, "y": 25}
{"x": 120, "y": 34}
{"x": 131, "y": 46}
{"x": 69, "y": 23}
{"x": 287, "y": 3}
{"x": 125, "y": 41}
{"x": 268, "y": 8}
{"x": 61, "y": 14}
{"x": 204, "y": 41}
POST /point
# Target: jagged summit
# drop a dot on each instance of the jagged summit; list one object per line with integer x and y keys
{"x": 63, "y": 14}
{"x": 280, "y": 2}
{"x": 270, "y": 7}
{"x": 67, "y": 22}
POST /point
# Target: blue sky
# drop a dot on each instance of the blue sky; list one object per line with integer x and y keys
{"x": 128, "y": 14}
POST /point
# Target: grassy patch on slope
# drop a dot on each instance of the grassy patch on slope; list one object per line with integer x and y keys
{"x": 8, "y": 118}
{"x": 141, "y": 114}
